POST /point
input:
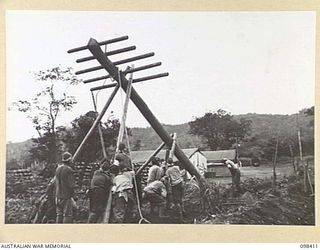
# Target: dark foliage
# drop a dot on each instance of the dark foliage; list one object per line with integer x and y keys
{"x": 219, "y": 129}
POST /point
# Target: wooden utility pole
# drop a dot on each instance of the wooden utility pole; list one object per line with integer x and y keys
{"x": 274, "y": 164}
{"x": 117, "y": 75}
{"x": 305, "y": 185}
{"x": 300, "y": 145}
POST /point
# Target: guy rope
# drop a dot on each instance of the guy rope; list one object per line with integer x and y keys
{"x": 123, "y": 131}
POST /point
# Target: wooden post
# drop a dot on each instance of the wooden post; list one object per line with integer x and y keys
{"x": 124, "y": 115}
{"x": 150, "y": 157}
{"x": 309, "y": 181}
{"x": 305, "y": 185}
{"x": 292, "y": 157}
{"x": 102, "y": 142}
{"x": 95, "y": 124}
{"x": 300, "y": 145}
{"x": 173, "y": 145}
{"x": 237, "y": 151}
{"x": 305, "y": 180}
{"x": 107, "y": 212}
{"x": 100, "y": 130}
{"x": 274, "y": 163}
{"x": 95, "y": 49}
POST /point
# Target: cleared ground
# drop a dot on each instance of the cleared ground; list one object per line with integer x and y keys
{"x": 264, "y": 171}
{"x": 257, "y": 203}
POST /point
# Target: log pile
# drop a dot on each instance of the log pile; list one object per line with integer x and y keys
{"x": 23, "y": 181}
{"x": 23, "y": 189}
{"x": 143, "y": 174}
{"x": 83, "y": 175}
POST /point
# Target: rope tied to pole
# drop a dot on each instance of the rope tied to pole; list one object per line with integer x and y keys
{"x": 123, "y": 131}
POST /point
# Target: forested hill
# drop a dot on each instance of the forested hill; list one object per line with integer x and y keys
{"x": 264, "y": 128}
{"x": 147, "y": 138}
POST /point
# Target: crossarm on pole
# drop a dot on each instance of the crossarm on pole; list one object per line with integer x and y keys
{"x": 149, "y": 66}
{"x": 110, "y": 53}
{"x": 96, "y": 51}
{"x": 114, "y": 40}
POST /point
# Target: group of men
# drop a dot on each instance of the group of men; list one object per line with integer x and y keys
{"x": 112, "y": 185}
{"x": 112, "y": 197}
{"x": 164, "y": 189}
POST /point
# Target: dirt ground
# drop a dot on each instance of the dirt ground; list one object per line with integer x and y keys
{"x": 258, "y": 202}
{"x": 264, "y": 171}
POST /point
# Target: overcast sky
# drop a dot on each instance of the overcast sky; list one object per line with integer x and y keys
{"x": 242, "y": 62}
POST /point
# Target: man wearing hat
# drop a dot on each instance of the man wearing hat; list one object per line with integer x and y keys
{"x": 64, "y": 190}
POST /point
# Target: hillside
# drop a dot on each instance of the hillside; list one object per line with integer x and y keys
{"x": 17, "y": 153}
{"x": 264, "y": 128}
{"x": 150, "y": 140}
{"x": 263, "y": 125}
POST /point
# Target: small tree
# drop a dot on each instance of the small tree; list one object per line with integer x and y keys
{"x": 45, "y": 106}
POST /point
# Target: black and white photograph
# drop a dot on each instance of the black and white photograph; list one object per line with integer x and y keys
{"x": 129, "y": 117}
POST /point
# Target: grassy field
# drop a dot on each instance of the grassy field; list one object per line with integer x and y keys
{"x": 264, "y": 171}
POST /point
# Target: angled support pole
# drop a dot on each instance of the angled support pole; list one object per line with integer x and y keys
{"x": 96, "y": 51}
{"x": 95, "y": 124}
{"x": 124, "y": 115}
{"x": 104, "y": 152}
{"x": 150, "y": 157}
